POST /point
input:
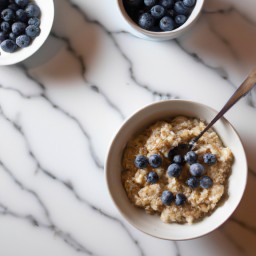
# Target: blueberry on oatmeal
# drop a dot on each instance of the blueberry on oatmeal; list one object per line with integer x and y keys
{"x": 192, "y": 182}
{"x": 178, "y": 159}
{"x": 209, "y": 159}
{"x": 196, "y": 169}
{"x": 206, "y": 182}
{"x": 152, "y": 177}
{"x": 174, "y": 170}
{"x": 155, "y": 160}
{"x": 180, "y": 199}
{"x": 191, "y": 157}
{"x": 167, "y": 197}
{"x": 155, "y": 190}
{"x": 141, "y": 161}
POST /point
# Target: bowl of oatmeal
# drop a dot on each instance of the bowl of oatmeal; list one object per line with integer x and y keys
{"x": 166, "y": 190}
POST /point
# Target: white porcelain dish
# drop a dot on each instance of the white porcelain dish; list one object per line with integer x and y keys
{"x": 160, "y": 36}
{"x": 152, "y": 225}
{"x": 47, "y": 17}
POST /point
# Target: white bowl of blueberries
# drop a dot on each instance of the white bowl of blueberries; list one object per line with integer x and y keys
{"x": 159, "y": 19}
{"x": 24, "y": 27}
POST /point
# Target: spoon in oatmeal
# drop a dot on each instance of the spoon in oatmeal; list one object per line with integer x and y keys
{"x": 241, "y": 91}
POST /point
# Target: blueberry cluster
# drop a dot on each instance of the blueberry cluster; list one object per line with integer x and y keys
{"x": 196, "y": 170}
{"x": 159, "y": 15}
{"x": 156, "y": 161}
{"x": 167, "y": 198}
{"x": 20, "y": 24}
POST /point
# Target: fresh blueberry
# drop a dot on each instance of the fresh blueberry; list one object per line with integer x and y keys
{"x": 155, "y": 160}
{"x": 209, "y": 159}
{"x": 21, "y": 15}
{"x": 149, "y": 2}
{"x": 23, "y": 41}
{"x": 3, "y": 36}
{"x": 167, "y": 23}
{"x": 34, "y": 21}
{"x": 157, "y": 11}
{"x": 12, "y": 36}
{"x": 167, "y": 197}
{"x": 152, "y": 177}
{"x": 9, "y": 46}
{"x": 134, "y": 3}
{"x": 206, "y": 182}
{"x": 174, "y": 170}
{"x": 18, "y": 28}
{"x": 192, "y": 182}
{"x": 178, "y": 159}
{"x": 13, "y": 7}
{"x": 166, "y": 3}
{"x": 189, "y": 3}
{"x": 180, "y": 19}
{"x": 180, "y": 199}
{"x": 190, "y": 157}
{"x": 32, "y": 10}
{"x": 146, "y": 21}
{"x": 22, "y": 3}
{"x": 196, "y": 169}
{"x": 32, "y": 31}
{"x": 180, "y": 8}
{"x": 172, "y": 152}
{"x": 141, "y": 161}
{"x": 8, "y": 15}
{"x": 5, "y": 26}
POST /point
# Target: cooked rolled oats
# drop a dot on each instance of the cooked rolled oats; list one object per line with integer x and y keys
{"x": 159, "y": 138}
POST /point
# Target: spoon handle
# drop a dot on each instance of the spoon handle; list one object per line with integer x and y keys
{"x": 241, "y": 91}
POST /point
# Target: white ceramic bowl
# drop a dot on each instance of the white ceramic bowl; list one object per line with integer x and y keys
{"x": 152, "y": 225}
{"x": 47, "y": 16}
{"x": 160, "y": 36}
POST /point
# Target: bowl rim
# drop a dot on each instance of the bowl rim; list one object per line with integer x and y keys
{"x": 161, "y": 34}
{"x": 107, "y": 172}
{"x": 38, "y": 45}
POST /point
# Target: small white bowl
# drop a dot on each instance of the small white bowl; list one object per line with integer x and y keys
{"x": 47, "y": 17}
{"x": 160, "y": 36}
{"x": 151, "y": 224}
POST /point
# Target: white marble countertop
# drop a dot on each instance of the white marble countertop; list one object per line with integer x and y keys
{"x": 60, "y": 109}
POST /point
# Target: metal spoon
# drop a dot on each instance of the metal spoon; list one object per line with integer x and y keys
{"x": 242, "y": 90}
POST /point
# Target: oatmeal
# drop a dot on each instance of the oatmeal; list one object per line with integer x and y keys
{"x": 180, "y": 186}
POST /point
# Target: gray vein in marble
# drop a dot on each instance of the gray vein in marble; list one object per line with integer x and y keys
{"x": 78, "y": 57}
{"x": 225, "y": 42}
{"x": 36, "y": 81}
{"x": 44, "y": 96}
{"x": 229, "y": 10}
{"x": 219, "y": 70}
{"x": 109, "y": 102}
{"x": 22, "y": 187}
{"x": 156, "y": 95}
{"x": 178, "y": 253}
{"x": 66, "y": 237}
{"x": 5, "y": 211}
{"x": 80, "y": 60}
{"x": 67, "y": 184}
